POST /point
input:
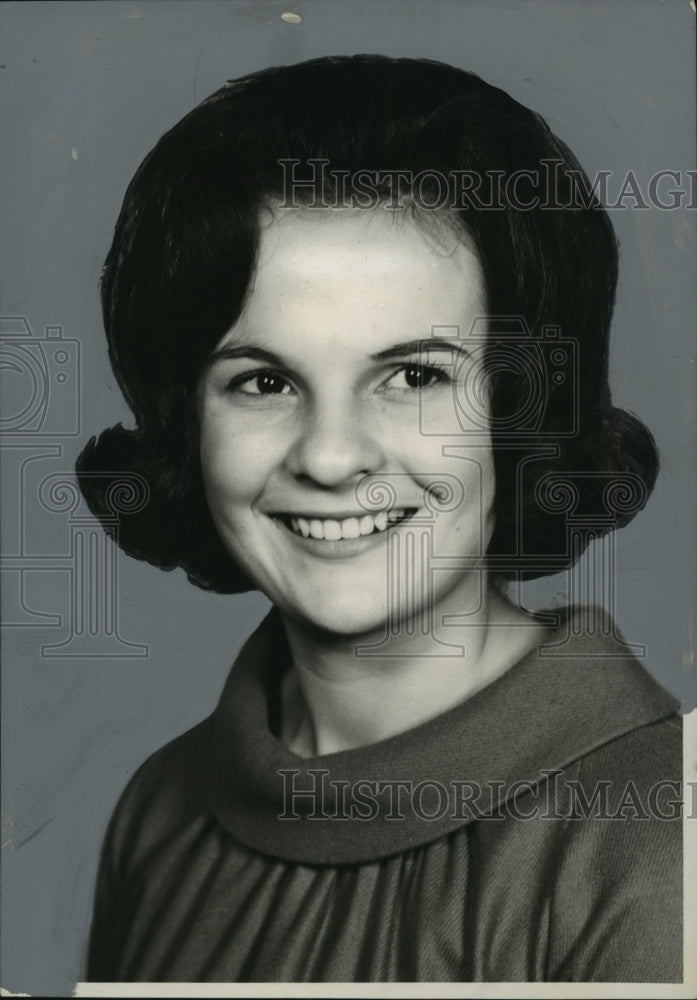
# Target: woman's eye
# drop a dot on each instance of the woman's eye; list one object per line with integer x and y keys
{"x": 417, "y": 376}
{"x": 263, "y": 383}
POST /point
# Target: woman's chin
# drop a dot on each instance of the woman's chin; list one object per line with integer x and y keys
{"x": 345, "y": 618}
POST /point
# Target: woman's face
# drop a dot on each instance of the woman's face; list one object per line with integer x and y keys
{"x": 324, "y": 389}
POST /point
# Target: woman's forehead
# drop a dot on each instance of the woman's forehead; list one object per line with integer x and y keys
{"x": 335, "y": 272}
{"x": 331, "y": 247}
{"x": 436, "y": 231}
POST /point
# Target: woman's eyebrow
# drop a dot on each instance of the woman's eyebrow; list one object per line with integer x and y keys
{"x": 229, "y": 352}
{"x": 420, "y": 347}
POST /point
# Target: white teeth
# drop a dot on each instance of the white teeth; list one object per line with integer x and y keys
{"x": 366, "y": 524}
{"x": 350, "y": 528}
{"x": 396, "y": 514}
{"x": 332, "y": 529}
{"x": 381, "y": 521}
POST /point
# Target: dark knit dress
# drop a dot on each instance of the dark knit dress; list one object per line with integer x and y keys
{"x": 530, "y": 833}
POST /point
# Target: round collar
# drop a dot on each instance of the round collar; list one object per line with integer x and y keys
{"x": 572, "y": 694}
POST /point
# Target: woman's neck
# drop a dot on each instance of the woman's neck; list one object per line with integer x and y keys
{"x": 337, "y": 696}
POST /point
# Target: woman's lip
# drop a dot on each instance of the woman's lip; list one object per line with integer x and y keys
{"x": 339, "y": 517}
{"x": 341, "y": 548}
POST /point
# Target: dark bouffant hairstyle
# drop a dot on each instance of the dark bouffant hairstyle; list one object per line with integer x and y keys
{"x": 184, "y": 253}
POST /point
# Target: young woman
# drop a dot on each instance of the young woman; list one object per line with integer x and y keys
{"x": 360, "y": 310}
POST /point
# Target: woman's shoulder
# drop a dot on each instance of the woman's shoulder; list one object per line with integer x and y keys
{"x": 586, "y": 660}
{"x": 617, "y": 895}
{"x": 167, "y": 791}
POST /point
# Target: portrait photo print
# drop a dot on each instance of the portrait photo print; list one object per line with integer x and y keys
{"x": 349, "y": 547}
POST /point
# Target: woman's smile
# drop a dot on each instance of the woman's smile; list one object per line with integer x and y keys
{"x": 325, "y": 410}
{"x": 350, "y": 526}
{"x": 345, "y": 537}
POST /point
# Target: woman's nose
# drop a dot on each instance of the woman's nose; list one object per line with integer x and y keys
{"x": 334, "y": 444}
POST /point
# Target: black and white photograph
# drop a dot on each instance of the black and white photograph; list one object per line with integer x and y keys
{"x": 349, "y": 551}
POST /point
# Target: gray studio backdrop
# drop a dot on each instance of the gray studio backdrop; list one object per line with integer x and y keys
{"x": 105, "y": 658}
